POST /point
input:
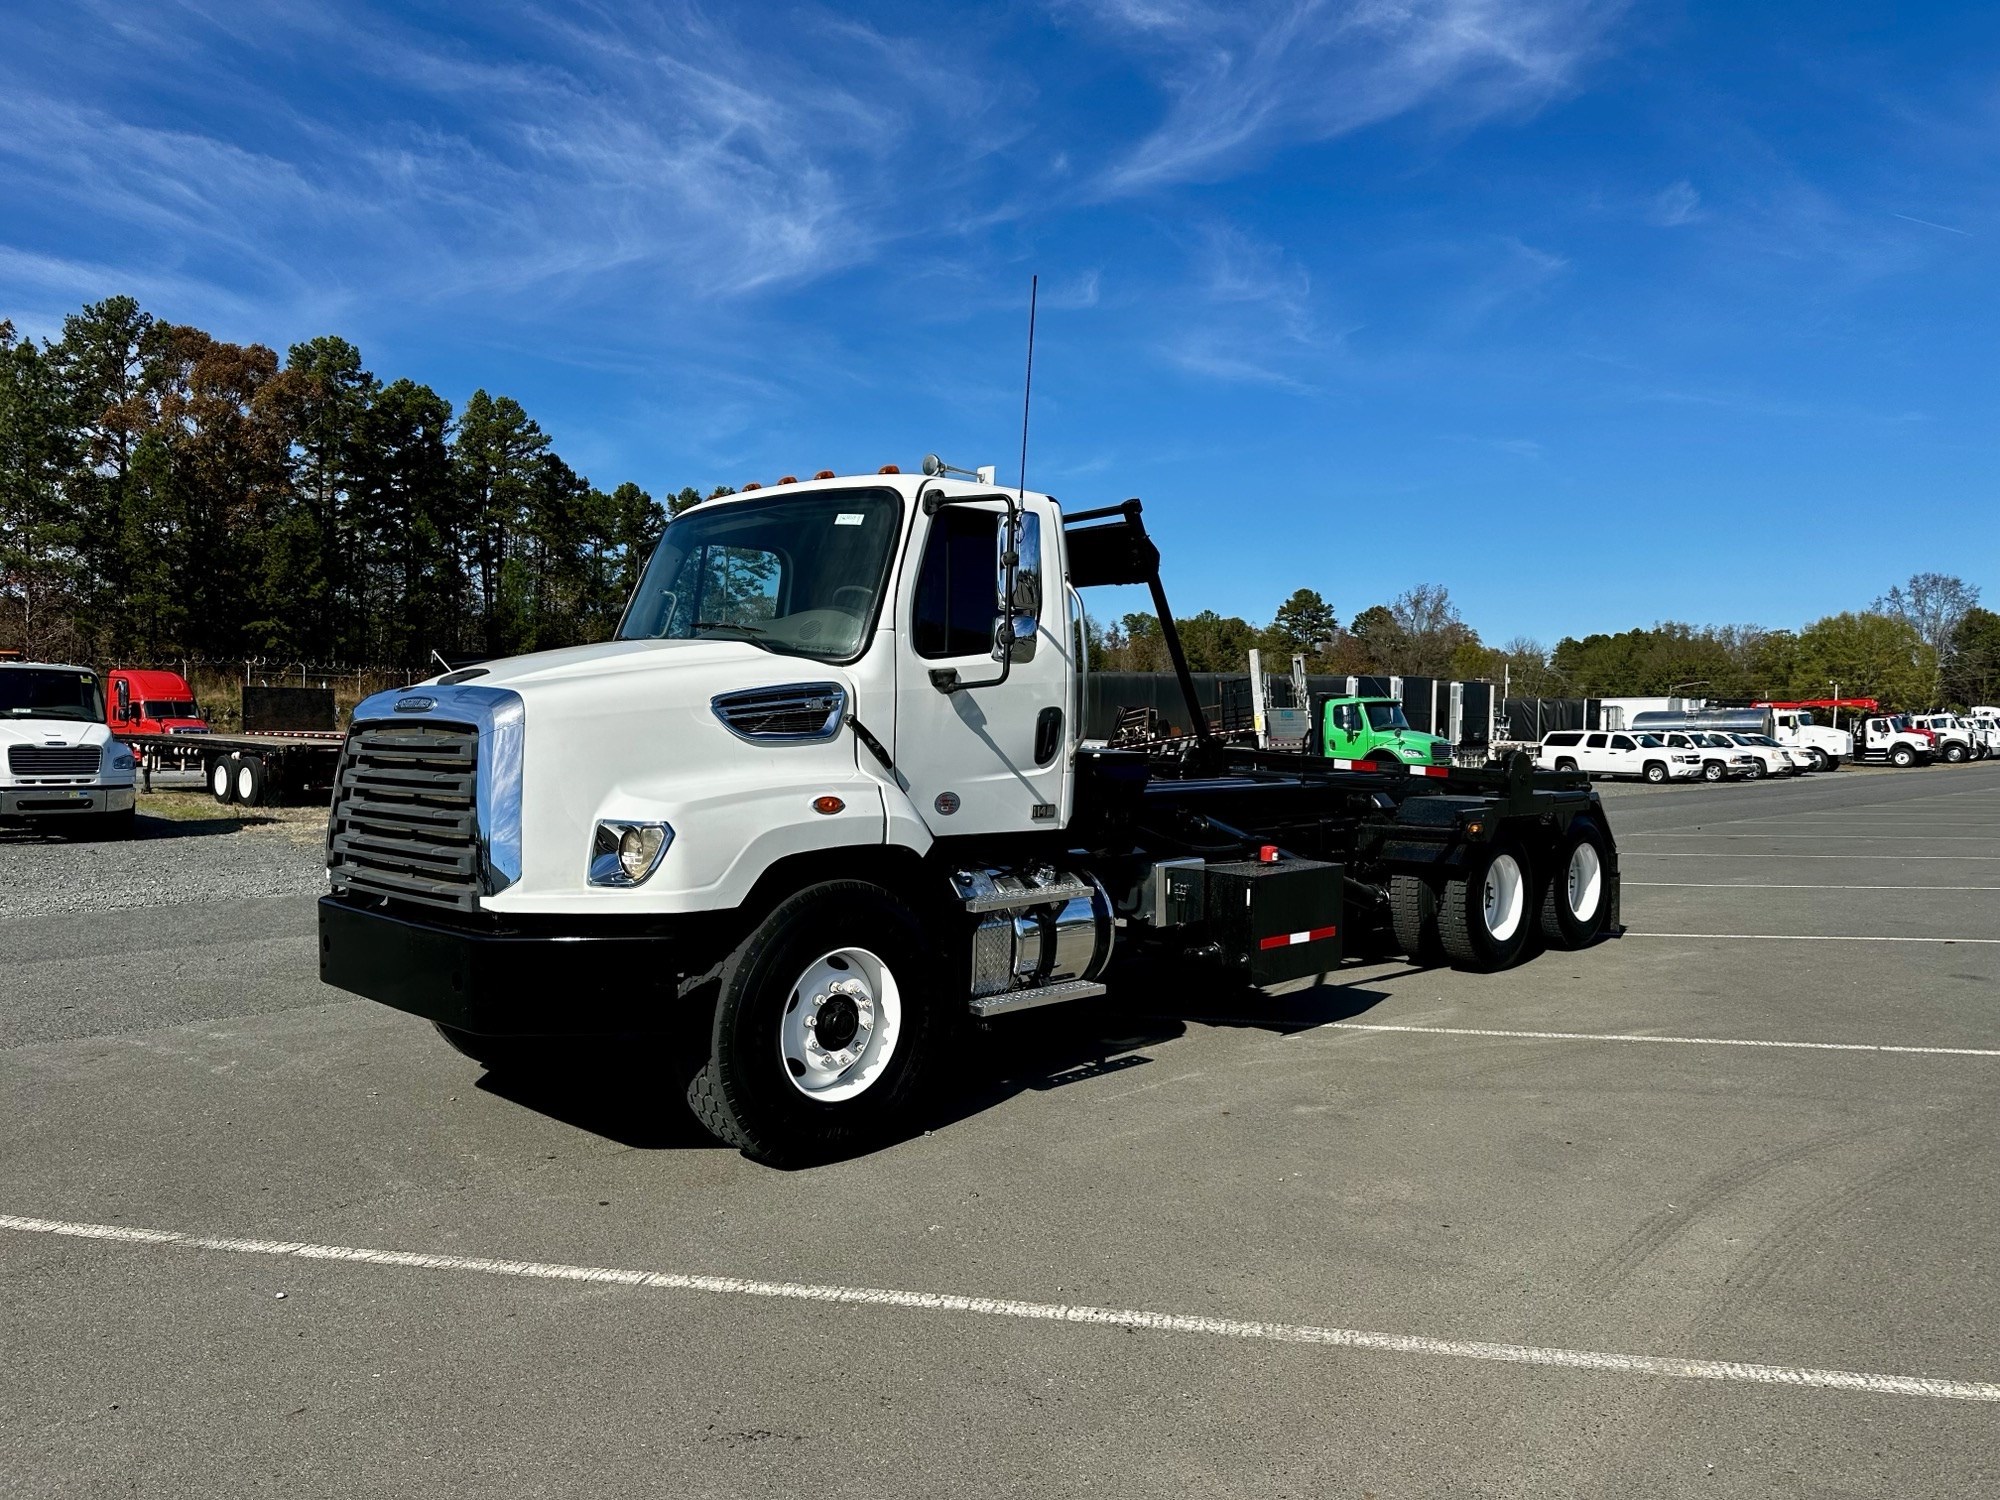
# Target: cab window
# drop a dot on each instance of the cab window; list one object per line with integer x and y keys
{"x": 957, "y": 590}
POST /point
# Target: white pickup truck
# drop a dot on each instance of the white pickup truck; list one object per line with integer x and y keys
{"x": 62, "y": 769}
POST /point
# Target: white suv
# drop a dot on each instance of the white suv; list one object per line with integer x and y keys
{"x": 1612, "y": 753}
{"x": 1721, "y": 757}
{"x": 1773, "y": 757}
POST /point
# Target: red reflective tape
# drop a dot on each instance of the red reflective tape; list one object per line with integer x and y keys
{"x": 1287, "y": 939}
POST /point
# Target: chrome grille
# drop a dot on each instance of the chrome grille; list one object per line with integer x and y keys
{"x": 405, "y": 819}
{"x": 52, "y": 760}
{"x": 796, "y": 711}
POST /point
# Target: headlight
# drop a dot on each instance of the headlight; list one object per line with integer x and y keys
{"x": 121, "y": 762}
{"x": 626, "y": 853}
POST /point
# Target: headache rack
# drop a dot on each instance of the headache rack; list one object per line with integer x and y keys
{"x": 405, "y": 819}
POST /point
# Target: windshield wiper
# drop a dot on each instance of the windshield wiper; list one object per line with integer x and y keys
{"x": 728, "y": 625}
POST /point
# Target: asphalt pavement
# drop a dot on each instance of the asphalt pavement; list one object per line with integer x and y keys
{"x": 1707, "y": 1209}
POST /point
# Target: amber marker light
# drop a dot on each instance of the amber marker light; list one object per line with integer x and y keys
{"x": 828, "y": 805}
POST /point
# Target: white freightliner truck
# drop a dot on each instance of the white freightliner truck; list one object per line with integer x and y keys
{"x": 62, "y": 769}
{"x": 823, "y": 805}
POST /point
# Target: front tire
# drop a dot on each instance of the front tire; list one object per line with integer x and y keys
{"x": 827, "y": 1018}
{"x": 1656, "y": 772}
{"x": 1954, "y": 753}
{"x": 1714, "y": 770}
{"x": 1902, "y": 757}
{"x": 1483, "y": 914}
{"x": 1821, "y": 761}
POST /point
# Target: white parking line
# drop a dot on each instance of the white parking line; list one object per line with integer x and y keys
{"x": 1668, "y": 1366}
{"x": 1680, "y": 1041}
{"x": 1929, "y": 839}
{"x": 1624, "y": 853}
{"x": 1744, "y": 885}
{"x": 1801, "y": 937}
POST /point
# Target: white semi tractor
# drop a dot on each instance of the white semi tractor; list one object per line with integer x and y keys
{"x": 62, "y": 768}
{"x": 822, "y": 807}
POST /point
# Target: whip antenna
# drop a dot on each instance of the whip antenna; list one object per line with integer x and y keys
{"x": 1028, "y": 386}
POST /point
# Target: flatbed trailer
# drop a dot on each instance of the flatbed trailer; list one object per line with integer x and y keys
{"x": 250, "y": 769}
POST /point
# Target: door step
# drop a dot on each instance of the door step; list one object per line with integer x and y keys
{"x": 985, "y": 1006}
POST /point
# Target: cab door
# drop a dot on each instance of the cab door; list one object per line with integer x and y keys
{"x": 1343, "y": 730}
{"x": 982, "y": 755}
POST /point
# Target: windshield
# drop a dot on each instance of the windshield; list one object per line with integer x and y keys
{"x": 1712, "y": 742}
{"x": 1651, "y": 741}
{"x": 1386, "y": 716}
{"x": 1805, "y": 718}
{"x": 49, "y": 693}
{"x": 169, "y": 708}
{"x": 801, "y": 575}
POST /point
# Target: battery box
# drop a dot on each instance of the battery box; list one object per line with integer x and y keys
{"x": 1278, "y": 921}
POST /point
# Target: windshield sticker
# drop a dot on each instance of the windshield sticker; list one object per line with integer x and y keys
{"x": 849, "y": 518}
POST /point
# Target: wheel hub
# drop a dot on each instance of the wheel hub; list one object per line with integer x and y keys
{"x": 840, "y": 1025}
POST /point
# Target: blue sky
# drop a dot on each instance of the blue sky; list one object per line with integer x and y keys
{"x": 1598, "y": 314}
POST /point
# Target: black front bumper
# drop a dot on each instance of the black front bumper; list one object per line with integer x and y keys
{"x": 500, "y": 983}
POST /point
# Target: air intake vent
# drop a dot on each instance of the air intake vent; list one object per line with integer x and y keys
{"x": 52, "y": 760}
{"x": 795, "y": 713}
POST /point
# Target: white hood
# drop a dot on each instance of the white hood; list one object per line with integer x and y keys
{"x": 15, "y": 731}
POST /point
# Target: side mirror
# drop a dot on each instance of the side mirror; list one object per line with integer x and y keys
{"x": 1026, "y": 600}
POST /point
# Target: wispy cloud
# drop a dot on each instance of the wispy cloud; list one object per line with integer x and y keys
{"x": 1674, "y": 205}
{"x": 1244, "y": 77}
{"x": 1932, "y": 224}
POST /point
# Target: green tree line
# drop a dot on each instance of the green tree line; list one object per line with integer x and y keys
{"x": 1924, "y": 643}
{"x": 166, "y": 493}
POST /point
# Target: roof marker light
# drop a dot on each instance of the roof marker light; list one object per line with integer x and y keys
{"x": 824, "y": 474}
{"x": 888, "y": 469}
{"x": 753, "y": 485}
{"x": 789, "y": 479}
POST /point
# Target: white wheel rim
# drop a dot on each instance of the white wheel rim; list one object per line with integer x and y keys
{"x": 1504, "y": 900}
{"x": 1585, "y": 881}
{"x": 220, "y": 780}
{"x": 852, "y": 993}
{"x": 243, "y": 784}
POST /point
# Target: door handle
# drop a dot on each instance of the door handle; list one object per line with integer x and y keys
{"x": 1048, "y": 735}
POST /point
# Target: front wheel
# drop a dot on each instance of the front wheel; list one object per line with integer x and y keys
{"x": 1821, "y": 761}
{"x": 1954, "y": 753}
{"x": 1902, "y": 757}
{"x": 1483, "y": 913}
{"x": 1656, "y": 771}
{"x": 1714, "y": 770}
{"x": 826, "y": 1019}
{"x": 1754, "y": 771}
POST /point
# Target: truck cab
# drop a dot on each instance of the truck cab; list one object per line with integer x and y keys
{"x": 1376, "y": 729}
{"x": 1826, "y": 746}
{"x": 1890, "y": 738}
{"x": 144, "y": 701}
{"x": 1954, "y": 739}
{"x": 62, "y": 769}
